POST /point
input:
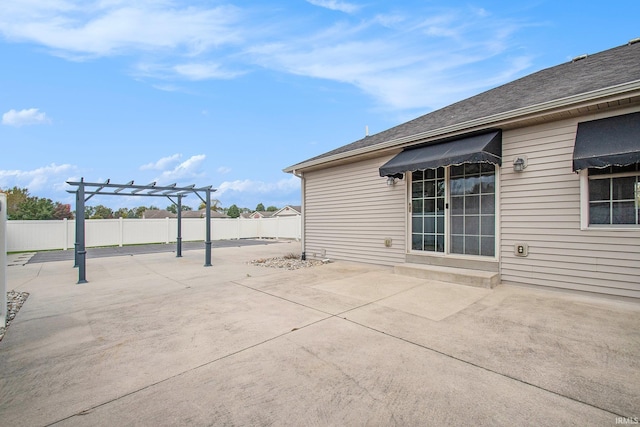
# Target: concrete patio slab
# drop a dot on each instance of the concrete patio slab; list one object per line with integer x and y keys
{"x": 318, "y": 375}
{"x": 369, "y": 286}
{"x": 158, "y": 340}
{"x": 580, "y": 347}
{"x": 435, "y": 300}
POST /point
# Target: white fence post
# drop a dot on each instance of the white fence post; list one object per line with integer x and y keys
{"x": 3, "y": 260}
{"x": 121, "y": 230}
{"x": 65, "y": 231}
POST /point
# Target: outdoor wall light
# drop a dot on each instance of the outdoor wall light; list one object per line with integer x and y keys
{"x": 392, "y": 179}
{"x": 519, "y": 164}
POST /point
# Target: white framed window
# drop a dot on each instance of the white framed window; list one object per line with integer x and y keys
{"x": 610, "y": 197}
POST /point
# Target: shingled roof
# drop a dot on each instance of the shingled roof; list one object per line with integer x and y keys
{"x": 602, "y": 70}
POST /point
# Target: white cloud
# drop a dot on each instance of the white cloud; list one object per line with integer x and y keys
{"x": 204, "y": 71}
{"x": 190, "y": 168}
{"x": 335, "y": 5}
{"x": 33, "y": 179}
{"x": 404, "y": 62}
{"x": 409, "y": 59}
{"x": 286, "y": 185}
{"x": 31, "y": 116}
{"x": 194, "y": 71}
{"x": 168, "y": 88}
{"x": 102, "y": 28}
{"x": 223, "y": 170}
{"x": 163, "y": 163}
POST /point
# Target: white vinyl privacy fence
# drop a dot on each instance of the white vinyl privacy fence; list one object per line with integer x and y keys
{"x": 46, "y": 235}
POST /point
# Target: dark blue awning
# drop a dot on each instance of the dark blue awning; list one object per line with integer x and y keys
{"x": 614, "y": 141}
{"x": 485, "y": 148}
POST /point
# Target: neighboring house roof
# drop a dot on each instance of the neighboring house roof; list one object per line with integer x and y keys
{"x": 602, "y": 74}
{"x": 245, "y": 215}
{"x": 163, "y": 213}
{"x": 289, "y": 210}
{"x": 157, "y": 213}
{"x": 261, "y": 214}
{"x": 203, "y": 213}
{"x": 215, "y": 214}
{"x": 193, "y": 214}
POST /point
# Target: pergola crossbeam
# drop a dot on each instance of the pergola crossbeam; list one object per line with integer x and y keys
{"x": 125, "y": 186}
{"x": 103, "y": 193}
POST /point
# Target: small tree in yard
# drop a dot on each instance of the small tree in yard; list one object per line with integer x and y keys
{"x": 139, "y": 211}
{"x": 15, "y": 197}
{"x": 22, "y": 206}
{"x": 260, "y": 207}
{"x": 89, "y": 211}
{"x": 174, "y": 209}
{"x": 122, "y": 213}
{"x": 62, "y": 211}
{"x": 102, "y": 212}
{"x": 233, "y": 211}
{"x": 215, "y": 205}
{"x": 34, "y": 208}
{"x": 272, "y": 209}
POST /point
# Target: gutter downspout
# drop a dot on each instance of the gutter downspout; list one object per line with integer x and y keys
{"x": 302, "y": 214}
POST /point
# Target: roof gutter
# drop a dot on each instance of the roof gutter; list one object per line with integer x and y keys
{"x": 483, "y": 121}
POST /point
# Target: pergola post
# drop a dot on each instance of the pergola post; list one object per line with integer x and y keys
{"x": 179, "y": 237}
{"x": 207, "y": 242}
{"x": 77, "y": 225}
{"x": 81, "y": 253}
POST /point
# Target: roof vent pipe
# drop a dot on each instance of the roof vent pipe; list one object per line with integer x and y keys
{"x": 579, "y": 58}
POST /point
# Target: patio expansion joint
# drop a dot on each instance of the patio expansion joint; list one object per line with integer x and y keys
{"x": 179, "y": 374}
{"x": 340, "y": 314}
{"x": 87, "y": 411}
{"x": 484, "y": 368}
{"x": 164, "y": 276}
{"x": 283, "y": 299}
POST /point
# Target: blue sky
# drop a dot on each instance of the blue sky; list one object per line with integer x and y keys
{"x": 228, "y": 93}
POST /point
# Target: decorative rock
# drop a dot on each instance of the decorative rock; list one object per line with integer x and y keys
{"x": 14, "y": 303}
{"x": 288, "y": 263}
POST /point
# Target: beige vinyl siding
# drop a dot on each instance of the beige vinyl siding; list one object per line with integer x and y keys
{"x": 349, "y": 211}
{"x": 541, "y": 207}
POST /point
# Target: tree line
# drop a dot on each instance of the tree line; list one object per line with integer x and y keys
{"x": 23, "y": 206}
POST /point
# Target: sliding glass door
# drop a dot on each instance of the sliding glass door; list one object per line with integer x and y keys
{"x": 453, "y": 210}
{"x": 427, "y": 206}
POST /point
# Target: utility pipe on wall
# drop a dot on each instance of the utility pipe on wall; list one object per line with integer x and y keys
{"x": 303, "y": 213}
